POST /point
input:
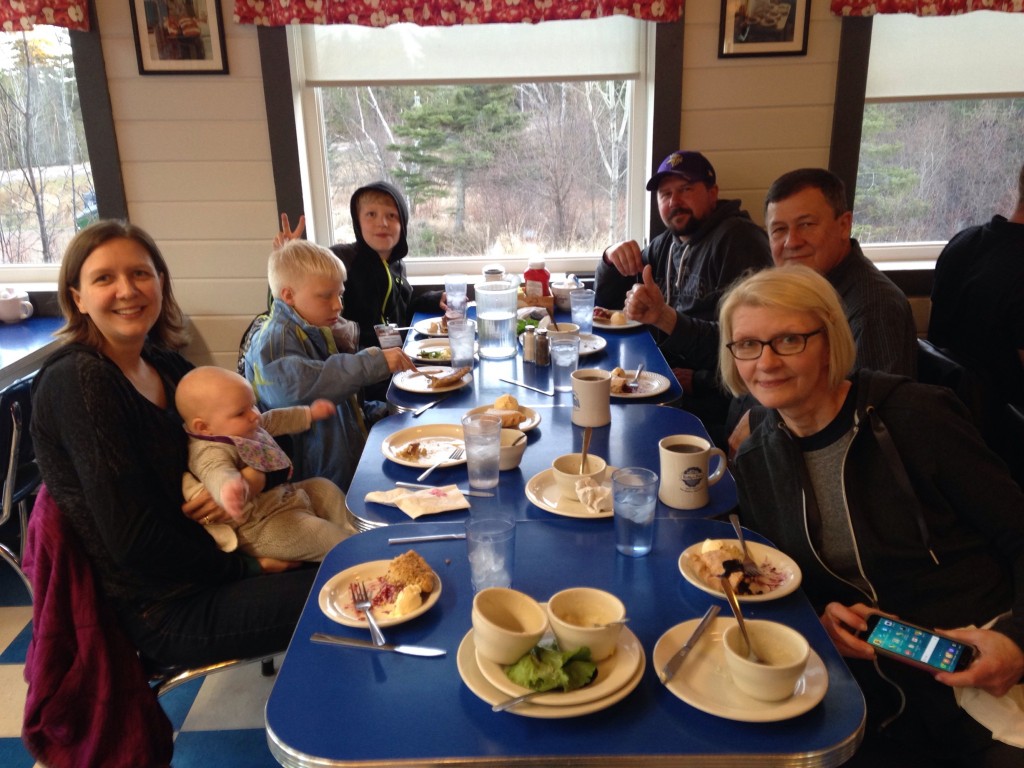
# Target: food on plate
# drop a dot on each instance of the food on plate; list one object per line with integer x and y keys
{"x": 435, "y": 353}
{"x": 411, "y": 451}
{"x": 602, "y": 315}
{"x": 622, "y": 382}
{"x": 617, "y": 318}
{"x": 452, "y": 378}
{"x": 610, "y": 316}
{"x": 594, "y": 496}
{"x": 506, "y": 408}
{"x": 402, "y": 589}
{"x": 545, "y": 669}
{"x": 724, "y": 558}
{"x": 440, "y": 325}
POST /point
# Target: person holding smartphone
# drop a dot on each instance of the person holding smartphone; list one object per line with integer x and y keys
{"x": 886, "y": 496}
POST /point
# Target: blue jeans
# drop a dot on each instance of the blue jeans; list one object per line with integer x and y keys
{"x": 241, "y": 619}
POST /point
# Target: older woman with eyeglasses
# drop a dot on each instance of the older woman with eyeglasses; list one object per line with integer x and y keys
{"x": 885, "y": 495}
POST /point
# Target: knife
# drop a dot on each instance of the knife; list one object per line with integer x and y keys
{"x": 528, "y": 386}
{"x": 432, "y": 403}
{"x": 434, "y": 537}
{"x": 673, "y": 663}
{"x": 422, "y": 487}
{"x": 351, "y": 642}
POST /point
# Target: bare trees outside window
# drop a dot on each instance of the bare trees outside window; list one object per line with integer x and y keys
{"x": 46, "y": 188}
{"x": 487, "y": 168}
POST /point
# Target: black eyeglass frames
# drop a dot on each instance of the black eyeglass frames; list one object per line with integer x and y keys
{"x": 784, "y": 345}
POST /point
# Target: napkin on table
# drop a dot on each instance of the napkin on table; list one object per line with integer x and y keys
{"x": 428, "y": 501}
{"x": 594, "y": 496}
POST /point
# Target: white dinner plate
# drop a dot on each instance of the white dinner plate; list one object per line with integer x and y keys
{"x": 411, "y": 381}
{"x": 423, "y": 327}
{"x": 474, "y": 679}
{"x": 759, "y": 553}
{"x": 336, "y": 602}
{"x": 531, "y": 420}
{"x": 436, "y": 440}
{"x": 703, "y": 680}
{"x": 649, "y": 385}
{"x": 542, "y": 490}
{"x": 612, "y": 673}
{"x": 606, "y": 326}
{"x": 419, "y": 351}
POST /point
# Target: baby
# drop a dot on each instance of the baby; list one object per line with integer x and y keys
{"x": 232, "y": 452}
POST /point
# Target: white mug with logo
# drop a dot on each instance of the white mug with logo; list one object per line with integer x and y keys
{"x": 591, "y": 397}
{"x": 14, "y": 306}
{"x": 684, "y": 470}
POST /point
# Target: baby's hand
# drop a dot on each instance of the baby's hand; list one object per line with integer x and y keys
{"x": 321, "y": 409}
{"x": 233, "y": 495}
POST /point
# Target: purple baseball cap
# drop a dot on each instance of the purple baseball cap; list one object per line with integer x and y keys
{"x": 692, "y": 166}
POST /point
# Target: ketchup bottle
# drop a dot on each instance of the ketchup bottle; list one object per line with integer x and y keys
{"x": 537, "y": 278}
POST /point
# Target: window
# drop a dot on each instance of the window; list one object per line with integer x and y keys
{"x": 941, "y": 144}
{"x": 46, "y": 185}
{"x": 508, "y": 140}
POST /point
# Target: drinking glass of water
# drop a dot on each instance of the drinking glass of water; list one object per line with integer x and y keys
{"x": 582, "y": 303}
{"x": 482, "y": 433}
{"x": 635, "y": 496}
{"x": 491, "y": 546}
{"x": 565, "y": 356}
{"x": 462, "y": 339}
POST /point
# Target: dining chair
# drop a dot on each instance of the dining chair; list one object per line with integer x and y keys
{"x": 22, "y": 478}
{"x": 243, "y": 345}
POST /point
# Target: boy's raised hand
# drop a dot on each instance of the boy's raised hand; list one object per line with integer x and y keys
{"x": 398, "y": 360}
{"x": 287, "y": 233}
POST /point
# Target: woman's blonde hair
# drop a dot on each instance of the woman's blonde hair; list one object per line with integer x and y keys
{"x": 296, "y": 260}
{"x": 793, "y": 288}
{"x": 169, "y": 330}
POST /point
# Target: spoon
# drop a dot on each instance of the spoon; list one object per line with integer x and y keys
{"x": 730, "y": 596}
{"x": 519, "y": 439}
{"x": 610, "y": 623}
{"x": 587, "y": 432}
{"x": 509, "y": 703}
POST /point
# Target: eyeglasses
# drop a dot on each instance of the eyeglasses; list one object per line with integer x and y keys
{"x": 784, "y": 345}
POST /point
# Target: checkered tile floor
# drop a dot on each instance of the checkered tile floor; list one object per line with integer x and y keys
{"x": 217, "y": 721}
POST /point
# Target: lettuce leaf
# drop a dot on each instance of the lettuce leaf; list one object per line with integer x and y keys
{"x": 545, "y": 669}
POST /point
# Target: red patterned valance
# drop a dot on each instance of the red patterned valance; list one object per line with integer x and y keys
{"x": 922, "y": 7}
{"x": 18, "y": 15}
{"x": 445, "y": 13}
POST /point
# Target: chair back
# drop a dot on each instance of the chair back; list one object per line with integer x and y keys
{"x": 22, "y": 478}
{"x": 243, "y": 346}
{"x": 937, "y": 366}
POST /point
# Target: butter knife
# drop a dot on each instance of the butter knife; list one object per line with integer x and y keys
{"x": 422, "y": 487}
{"x": 432, "y": 403}
{"x": 673, "y": 663}
{"x": 352, "y": 642}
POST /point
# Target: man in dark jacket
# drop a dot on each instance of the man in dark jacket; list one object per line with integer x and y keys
{"x": 709, "y": 243}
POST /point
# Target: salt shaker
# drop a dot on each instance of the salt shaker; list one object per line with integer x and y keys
{"x": 529, "y": 345}
{"x": 543, "y": 350}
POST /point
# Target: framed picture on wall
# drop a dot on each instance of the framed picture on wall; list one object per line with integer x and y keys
{"x": 179, "y": 37}
{"x": 763, "y": 28}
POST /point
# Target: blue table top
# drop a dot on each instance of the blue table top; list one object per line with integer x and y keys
{"x": 343, "y": 706}
{"x": 625, "y": 349}
{"x": 631, "y": 440}
{"x": 25, "y": 345}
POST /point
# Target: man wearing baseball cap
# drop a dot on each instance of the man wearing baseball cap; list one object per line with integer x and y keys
{"x": 674, "y": 284}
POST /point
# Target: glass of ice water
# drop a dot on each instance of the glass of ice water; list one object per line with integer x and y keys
{"x": 582, "y": 302}
{"x": 462, "y": 338}
{"x": 482, "y": 434}
{"x": 491, "y": 546}
{"x": 635, "y": 496}
{"x": 565, "y": 356}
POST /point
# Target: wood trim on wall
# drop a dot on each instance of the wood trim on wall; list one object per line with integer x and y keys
{"x": 284, "y": 141}
{"x": 668, "y": 102}
{"x": 848, "y": 113}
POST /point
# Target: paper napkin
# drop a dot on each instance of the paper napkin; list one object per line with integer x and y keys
{"x": 428, "y": 501}
{"x": 595, "y": 497}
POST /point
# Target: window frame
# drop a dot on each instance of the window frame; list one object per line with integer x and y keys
{"x": 284, "y": 95}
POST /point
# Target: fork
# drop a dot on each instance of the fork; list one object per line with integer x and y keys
{"x": 364, "y": 604}
{"x": 455, "y": 456}
{"x": 750, "y": 568}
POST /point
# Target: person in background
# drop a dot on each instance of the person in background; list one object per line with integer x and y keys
{"x": 883, "y": 492}
{"x": 292, "y": 360}
{"x": 673, "y": 285}
{"x": 978, "y": 300}
{"x": 112, "y": 451}
{"x": 809, "y": 223}
{"x": 233, "y": 455}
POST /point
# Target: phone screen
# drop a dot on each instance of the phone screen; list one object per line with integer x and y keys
{"x": 916, "y": 645}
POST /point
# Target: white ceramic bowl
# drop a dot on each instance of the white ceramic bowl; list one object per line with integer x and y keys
{"x": 561, "y": 293}
{"x": 783, "y": 650}
{"x": 574, "y": 612}
{"x": 566, "y": 469}
{"x": 565, "y": 330}
{"x": 506, "y": 624}
{"x": 510, "y": 455}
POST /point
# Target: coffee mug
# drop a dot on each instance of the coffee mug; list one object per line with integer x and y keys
{"x": 15, "y": 309}
{"x": 684, "y": 470}
{"x": 591, "y": 397}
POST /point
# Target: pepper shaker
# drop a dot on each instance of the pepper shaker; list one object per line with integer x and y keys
{"x": 543, "y": 350}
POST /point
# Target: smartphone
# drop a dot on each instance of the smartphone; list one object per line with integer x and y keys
{"x": 917, "y": 646}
